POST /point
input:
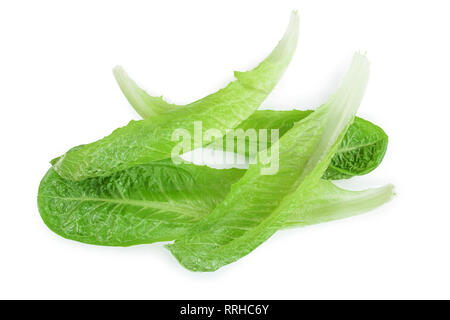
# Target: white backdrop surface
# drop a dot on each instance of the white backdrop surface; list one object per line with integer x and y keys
{"x": 57, "y": 91}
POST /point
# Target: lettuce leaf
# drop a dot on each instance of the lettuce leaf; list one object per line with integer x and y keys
{"x": 160, "y": 201}
{"x": 149, "y": 140}
{"x": 361, "y": 151}
{"x": 144, "y": 204}
{"x": 256, "y": 206}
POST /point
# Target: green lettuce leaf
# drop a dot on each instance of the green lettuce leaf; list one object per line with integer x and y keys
{"x": 149, "y": 140}
{"x": 160, "y": 201}
{"x": 143, "y": 204}
{"x": 255, "y": 207}
{"x": 361, "y": 151}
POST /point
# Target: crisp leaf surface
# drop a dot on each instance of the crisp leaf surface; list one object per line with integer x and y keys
{"x": 144, "y": 204}
{"x": 361, "y": 151}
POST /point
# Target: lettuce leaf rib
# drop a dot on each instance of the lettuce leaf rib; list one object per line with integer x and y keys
{"x": 149, "y": 140}
{"x": 254, "y": 208}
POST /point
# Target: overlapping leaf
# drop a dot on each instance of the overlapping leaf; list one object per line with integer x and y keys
{"x": 160, "y": 201}
{"x": 149, "y": 140}
{"x": 119, "y": 191}
{"x": 255, "y": 207}
{"x": 361, "y": 151}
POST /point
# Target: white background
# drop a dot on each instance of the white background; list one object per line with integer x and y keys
{"x": 57, "y": 91}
